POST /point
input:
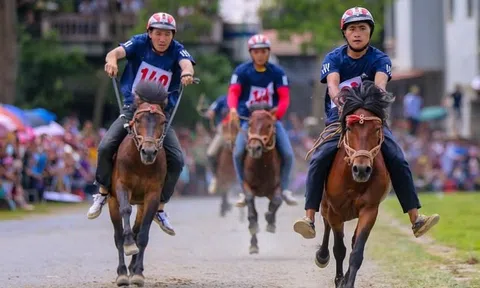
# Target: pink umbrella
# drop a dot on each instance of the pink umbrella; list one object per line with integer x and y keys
{"x": 7, "y": 123}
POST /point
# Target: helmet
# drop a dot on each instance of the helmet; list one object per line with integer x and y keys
{"x": 162, "y": 20}
{"x": 357, "y": 14}
{"x": 258, "y": 41}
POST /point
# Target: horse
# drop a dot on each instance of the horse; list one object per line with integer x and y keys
{"x": 358, "y": 180}
{"x": 225, "y": 171}
{"x": 261, "y": 170}
{"x": 138, "y": 177}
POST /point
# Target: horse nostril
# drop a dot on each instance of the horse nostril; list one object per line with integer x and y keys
{"x": 258, "y": 148}
{"x": 368, "y": 169}
{"x": 355, "y": 169}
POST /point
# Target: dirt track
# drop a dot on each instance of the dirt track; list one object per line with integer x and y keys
{"x": 67, "y": 250}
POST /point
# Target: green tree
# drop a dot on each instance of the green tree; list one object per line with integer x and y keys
{"x": 44, "y": 67}
{"x": 320, "y": 17}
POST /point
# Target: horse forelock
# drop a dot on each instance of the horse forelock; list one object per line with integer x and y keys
{"x": 367, "y": 96}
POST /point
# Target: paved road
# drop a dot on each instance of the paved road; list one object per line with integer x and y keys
{"x": 67, "y": 250}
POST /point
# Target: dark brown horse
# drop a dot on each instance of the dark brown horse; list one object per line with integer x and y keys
{"x": 261, "y": 170}
{"x": 138, "y": 177}
{"x": 225, "y": 172}
{"x": 358, "y": 181}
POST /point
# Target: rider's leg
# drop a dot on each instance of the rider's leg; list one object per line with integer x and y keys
{"x": 107, "y": 148}
{"x": 402, "y": 182}
{"x": 286, "y": 153}
{"x": 175, "y": 163}
{"x": 238, "y": 156}
{"x": 212, "y": 156}
{"x": 318, "y": 170}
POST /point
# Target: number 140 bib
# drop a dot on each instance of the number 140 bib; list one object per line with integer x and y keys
{"x": 151, "y": 73}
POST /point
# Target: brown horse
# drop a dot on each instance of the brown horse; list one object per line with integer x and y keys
{"x": 225, "y": 172}
{"x": 138, "y": 176}
{"x": 358, "y": 181}
{"x": 261, "y": 170}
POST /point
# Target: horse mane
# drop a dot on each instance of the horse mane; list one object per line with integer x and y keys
{"x": 367, "y": 96}
{"x": 152, "y": 92}
{"x": 259, "y": 106}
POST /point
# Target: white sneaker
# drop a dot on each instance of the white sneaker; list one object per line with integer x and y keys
{"x": 212, "y": 187}
{"x": 241, "y": 202}
{"x": 288, "y": 197}
{"x": 96, "y": 209}
{"x": 161, "y": 218}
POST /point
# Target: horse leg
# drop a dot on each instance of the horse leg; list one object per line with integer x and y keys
{"x": 126, "y": 210}
{"x": 151, "y": 203}
{"x": 275, "y": 203}
{"x": 122, "y": 278}
{"x": 339, "y": 251}
{"x": 136, "y": 230}
{"x": 322, "y": 257}
{"x": 366, "y": 220}
{"x": 253, "y": 222}
{"x": 224, "y": 206}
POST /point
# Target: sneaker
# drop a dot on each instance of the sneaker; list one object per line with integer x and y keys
{"x": 96, "y": 209}
{"x": 288, "y": 197}
{"x": 305, "y": 227}
{"x": 212, "y": 187}
{"x": 424, "y": 223}
{"x": 161, "y": 218}
{"x": 241, "y": 202}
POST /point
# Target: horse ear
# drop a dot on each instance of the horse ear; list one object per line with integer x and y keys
{"x": 274, "y": 111}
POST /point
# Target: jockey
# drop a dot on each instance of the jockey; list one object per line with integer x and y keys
{"x": 156, "y": 56}
{"x": 259, "y": 81}
{"x": 348, "y": 66}
{"x": 217, "y": 112}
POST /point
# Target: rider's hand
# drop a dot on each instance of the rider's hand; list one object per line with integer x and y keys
{"x": 210, "y": 114}
{"x": 186, "y": 78}
{"x": 111, "y": 68}
{"x": 233, "y": 112}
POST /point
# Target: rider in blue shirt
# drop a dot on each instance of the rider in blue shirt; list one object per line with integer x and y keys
{"x": 152, "y": 56}
{"x": 348, "y": 66}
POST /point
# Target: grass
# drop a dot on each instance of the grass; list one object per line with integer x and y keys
{"x": 405, "y": 263}
{"x": 40, "y": 209}
{"x": 459, "y": 224}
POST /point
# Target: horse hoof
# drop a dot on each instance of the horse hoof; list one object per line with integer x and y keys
{"x": 138, "y": 280}
{"x": 122, "y": 280}
{"x": 338, "y": 282}
{"x": 322, "y": 262}
{"x": 131, "y": 249}
{"x": 271, "y": 228}
{"x": 253, "y": 249}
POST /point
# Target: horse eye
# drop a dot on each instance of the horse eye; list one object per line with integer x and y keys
{"x": 348, "y": 129}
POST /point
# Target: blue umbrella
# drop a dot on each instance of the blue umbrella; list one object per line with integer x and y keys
{"x": 40, "y": 117}
{"x": 18, "y": 112}
{"x": 433, "y": 113}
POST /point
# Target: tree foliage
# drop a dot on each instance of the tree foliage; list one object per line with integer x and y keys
{"x": 320, "y": 17}
{"x": 44, "y": 67}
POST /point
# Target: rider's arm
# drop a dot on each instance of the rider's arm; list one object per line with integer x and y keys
{"x": 187, "y": 66}
{"x": 333, "y": 82}
{"x": 185, "y": 60}
{"x": 116, "y": 54}
{"x": 234, "y": 91}
{"x": 383, "y": 72}
{"x": 330, "y": 74}
{"x": 381, "y": 80}
{"x": 283, "y": 91}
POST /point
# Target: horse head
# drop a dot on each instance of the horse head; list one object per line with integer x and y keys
{"x": 261, "y": 130}
{"x": 363, "y": 116}
{"x": 148, "y": 123}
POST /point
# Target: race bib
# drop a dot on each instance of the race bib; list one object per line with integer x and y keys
{"x": 260, "y": 95}
{"x": 353, "y": 82}
{"x": 152, "y": 73}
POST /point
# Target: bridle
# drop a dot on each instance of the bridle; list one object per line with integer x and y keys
{"x": 139, "y": 139}
{"x": 265, "y": 139}
{"x": 352, "y": 154}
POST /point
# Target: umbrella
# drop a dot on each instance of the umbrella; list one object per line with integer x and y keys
{"x": 433, "y": 113}
{"x": 52, "y": 129}
{"x": 7, "y": 123}
{"x": 39, "y": 117}
{"x": 15, "y": 121}
{"x": 19, "y": 113}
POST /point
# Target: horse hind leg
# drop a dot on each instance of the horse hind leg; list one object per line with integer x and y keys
{"x": 151, "y": 205}
{"x": 322, "y": 257}
{"x": 122, "y": 278}
{"x": 366, "y": 220}
{"x": 126, "y": 210}
{"x": 270, "y": 215}
{"x": 339, "y": 251}
{"x": 253, "y": 223}
{"x": 225, "y": 206}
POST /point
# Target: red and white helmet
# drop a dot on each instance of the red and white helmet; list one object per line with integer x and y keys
{"x": 258, "y": 41}
{"x": 357, "y": 14}
{"x": 162, "y": 20}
